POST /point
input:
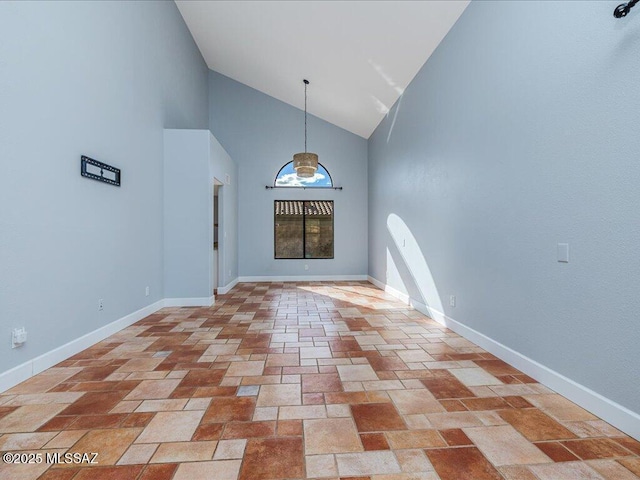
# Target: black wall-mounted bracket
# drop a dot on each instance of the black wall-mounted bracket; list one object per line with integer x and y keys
{"x": 623, "y": 9}
{"x": 102, "y": 172}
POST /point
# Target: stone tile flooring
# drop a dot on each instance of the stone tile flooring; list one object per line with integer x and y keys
{"x": 292, "y": 381}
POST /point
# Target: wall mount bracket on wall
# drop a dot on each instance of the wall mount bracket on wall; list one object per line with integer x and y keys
{"x": 624, "y": 8}
{"x": 102, "y": 172}
{"x": 271, "y": 187}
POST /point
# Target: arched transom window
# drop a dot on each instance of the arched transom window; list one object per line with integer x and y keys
{"x": 287, "y": 177}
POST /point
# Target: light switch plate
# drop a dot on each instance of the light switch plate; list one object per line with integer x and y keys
{"x": 563, "y": 252}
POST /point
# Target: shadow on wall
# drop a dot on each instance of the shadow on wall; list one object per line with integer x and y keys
{"x": 411, "y": 266}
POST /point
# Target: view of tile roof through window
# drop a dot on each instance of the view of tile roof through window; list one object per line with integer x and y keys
{"x": 295, "y": 207}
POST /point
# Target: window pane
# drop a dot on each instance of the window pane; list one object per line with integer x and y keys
{"x": 289, "y": 224}
{"x": 318, "y": 229}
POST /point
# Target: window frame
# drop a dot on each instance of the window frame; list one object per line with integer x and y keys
{"x": 275, "y": 180}
{"x": 304, "y": 231}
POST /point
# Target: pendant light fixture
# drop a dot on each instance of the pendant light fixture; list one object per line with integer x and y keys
{"x": 305, "y": 163}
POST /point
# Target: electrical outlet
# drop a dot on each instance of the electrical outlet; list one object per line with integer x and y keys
{"x": 101, "y": 304}
{"x": 229, "y": 273}
{"x": 18, "y": 337}
{"x": 452, "y": 300}
{"x": 306, "y": 267}
{"x": 563, "y": 252}
{"x": 146, "y": 292}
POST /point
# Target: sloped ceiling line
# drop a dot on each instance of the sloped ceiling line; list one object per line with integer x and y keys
{"x": 358, "y": 55}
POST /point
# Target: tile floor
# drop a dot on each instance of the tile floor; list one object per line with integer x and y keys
{"x": 292, "y": 381}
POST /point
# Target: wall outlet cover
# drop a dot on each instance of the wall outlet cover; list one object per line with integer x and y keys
{"x": 18, "y": 337}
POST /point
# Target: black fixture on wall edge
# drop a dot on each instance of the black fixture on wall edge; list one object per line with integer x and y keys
{"x": 624, "y": 8}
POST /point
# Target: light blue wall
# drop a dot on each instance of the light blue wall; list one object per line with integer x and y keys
{"x": 261, "y": 134}
{"x": 224, "y": 169}
{"x": 101, "y": 79}
{"x": 520, "y": 132}
{"x": 187, "y": 268}
{"x": 192, "y": 160}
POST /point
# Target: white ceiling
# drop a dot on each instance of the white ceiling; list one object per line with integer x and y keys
{"x": 358, "y": 55}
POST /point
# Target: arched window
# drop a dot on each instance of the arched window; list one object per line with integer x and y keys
{"x": 287, "y": 177}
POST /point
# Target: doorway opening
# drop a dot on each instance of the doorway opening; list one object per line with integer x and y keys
{"x": 218, "y": 243}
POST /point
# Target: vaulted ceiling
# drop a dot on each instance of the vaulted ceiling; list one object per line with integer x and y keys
{"x": 359, "y": 56}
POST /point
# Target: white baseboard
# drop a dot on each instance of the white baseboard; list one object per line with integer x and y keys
{"x": 227, "y": 288}
{"x": 189, "y": 302}
{"x": 617, "y": 415}
{"x": 304, "y": 278}
{"x": 22, "y": 372}
{"x": 14, "y": 376}
{"x": 610, "y": 411}
{"x": 32, "y": 367}
{"x": 390, "y": 290}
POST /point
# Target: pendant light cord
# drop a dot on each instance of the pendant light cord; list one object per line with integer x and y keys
{"x": 306, "y": 82}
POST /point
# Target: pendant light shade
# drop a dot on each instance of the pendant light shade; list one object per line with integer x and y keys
{"x": 305, "y": 164}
